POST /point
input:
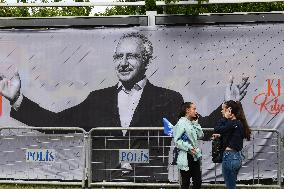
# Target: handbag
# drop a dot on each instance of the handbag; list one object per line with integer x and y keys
{"x": 175, "y": 156}
{"x": 217, "y": 150}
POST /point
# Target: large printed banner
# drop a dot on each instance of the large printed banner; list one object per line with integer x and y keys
{"x": 133, "y": 77}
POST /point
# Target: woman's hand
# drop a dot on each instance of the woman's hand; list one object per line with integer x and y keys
{"x": 193, "y": 151}
{"x": 196, "y": 117}
{"x": 214, "y": 136}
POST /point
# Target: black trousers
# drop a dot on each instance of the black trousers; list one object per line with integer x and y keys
{"x": 194, "y": 172}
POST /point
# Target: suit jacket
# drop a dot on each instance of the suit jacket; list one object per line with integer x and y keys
{"x": 100, "y": 109}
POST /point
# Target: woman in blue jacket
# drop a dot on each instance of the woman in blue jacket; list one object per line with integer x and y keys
{"x": 232, "y": 129}
{"x": 189, "y": 155}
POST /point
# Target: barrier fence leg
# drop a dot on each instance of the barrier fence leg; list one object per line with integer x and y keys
{"x": 279, "y": 159}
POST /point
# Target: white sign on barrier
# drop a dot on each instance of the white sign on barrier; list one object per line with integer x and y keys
{"x": 40, "y": 155}
{"x": 134, "y": 155}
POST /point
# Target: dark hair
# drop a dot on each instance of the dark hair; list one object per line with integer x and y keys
{"x": 183, "y": 108}
{"x": 238, "y": 111}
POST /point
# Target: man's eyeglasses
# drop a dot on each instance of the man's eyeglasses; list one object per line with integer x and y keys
{"x": 128, "y": 56}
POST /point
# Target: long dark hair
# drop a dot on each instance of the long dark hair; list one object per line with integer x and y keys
{"x": 238, "y": 111}
{"x": 183, "y": 108}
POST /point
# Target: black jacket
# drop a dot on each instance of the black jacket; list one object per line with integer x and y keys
{"x": 100, "y": 109}
{"x": 232, "y": 133}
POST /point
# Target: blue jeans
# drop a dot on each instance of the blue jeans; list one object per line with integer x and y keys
{"x": 231, "y": 164}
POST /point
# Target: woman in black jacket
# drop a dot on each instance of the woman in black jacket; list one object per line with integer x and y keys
{"x": 232, "y": 129}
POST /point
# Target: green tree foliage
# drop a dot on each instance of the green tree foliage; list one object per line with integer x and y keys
{"x": 61, "y": 11}
{"x": 150, "y": 5}
{"x": 199, "y": 8}
{"x": 14, "y": 12}
{"x": 123, "y": 10}
{"x": 224, "y": 8}
{"x": 45, "y": 11}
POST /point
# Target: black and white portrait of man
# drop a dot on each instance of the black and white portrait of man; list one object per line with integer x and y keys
{"x": 133, "y": 102}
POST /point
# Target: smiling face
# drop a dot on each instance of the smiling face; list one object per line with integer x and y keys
{"x": 128, "y": 59}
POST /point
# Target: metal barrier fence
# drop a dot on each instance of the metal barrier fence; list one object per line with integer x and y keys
{"x": 106, "y": 144}
{"x": 104, "y": 155}
{"x": 40, "y": 155}
{"x": 262, "y": 157}
{"x": 62, "y": 155}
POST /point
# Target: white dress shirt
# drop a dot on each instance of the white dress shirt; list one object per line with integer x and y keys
{"x": 128, "y": 101}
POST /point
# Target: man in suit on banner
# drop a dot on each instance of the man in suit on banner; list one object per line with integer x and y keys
{"x": 133, "y": 102}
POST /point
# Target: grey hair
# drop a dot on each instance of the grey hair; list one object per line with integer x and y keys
{"x": 147, "y": 53}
